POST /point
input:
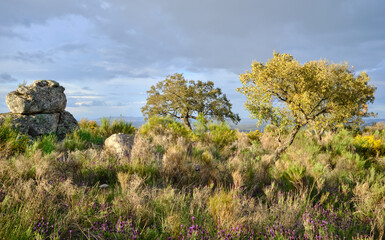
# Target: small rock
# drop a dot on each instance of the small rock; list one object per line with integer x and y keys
{"x": 119, "y": 144}
{"x": 197, "y": 168}
{"x": 103, "y": 186}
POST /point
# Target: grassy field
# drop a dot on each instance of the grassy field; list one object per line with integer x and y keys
{"x": 213, "y": 183}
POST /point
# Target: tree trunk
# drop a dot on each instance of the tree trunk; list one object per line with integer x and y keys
{"x": 187, "y": 123}
{"x": 283, "y": 146}
{"x": 319, "y": 136}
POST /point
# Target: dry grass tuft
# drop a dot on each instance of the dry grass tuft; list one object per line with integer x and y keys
{"x": 176, "y": 165}
{"x": 269, "y": 141}
{"x": 226, "y": 208}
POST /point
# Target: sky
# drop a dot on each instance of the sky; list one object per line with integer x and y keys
{"x": 107, "y": 54}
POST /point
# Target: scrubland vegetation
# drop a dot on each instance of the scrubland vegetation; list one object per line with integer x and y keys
{"x": 311, "y": 174}
{"x": 210, "y": 183}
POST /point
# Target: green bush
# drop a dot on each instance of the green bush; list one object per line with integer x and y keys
{"x": 342, "y": 142}
{"x": 164, "y": 126}
{"x": 219, "y": 134}
{"x": 46, "y": 143}
{"x": 91, "y": 134}
{"x": 82, "y": 139}
{"x": 108, "y": 127}
{"x": 11, "y": 140}
{"x": 369, "y": 145}
{"x": 222, "y": 135}
{"x": 6, "y": 132}
{"x": 254, "y": 136}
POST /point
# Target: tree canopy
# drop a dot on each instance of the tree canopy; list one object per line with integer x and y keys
{"x": 182, "y": 99}
{"x": 317, "y": 94}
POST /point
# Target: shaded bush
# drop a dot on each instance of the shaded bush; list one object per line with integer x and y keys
{"x": 11, "y": 140}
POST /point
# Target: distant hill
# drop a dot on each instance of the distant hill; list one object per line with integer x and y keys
{"x": 244, "y": 126}
{"x": 370, "y": 121}
{"x": 135, "y": 121}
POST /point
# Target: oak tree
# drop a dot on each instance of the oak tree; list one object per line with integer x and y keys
{"x": 185, "y": 99}
{"x": 317, "y": 94}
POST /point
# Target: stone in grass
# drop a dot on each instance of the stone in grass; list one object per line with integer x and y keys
{"x": 119, "y": 144}
{"x": 43, "y": 96}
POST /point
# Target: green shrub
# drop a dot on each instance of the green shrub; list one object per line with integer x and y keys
{"x": 201, "y": 126}
{"x": 19, "y": 144}
{"x": 164, "y": 126}
{"x": 108, "y": 127}
{"x": 11, "y": 140}
{"x": 82, "y": 139}
{"x": 88, "y": 124}
{"x": 219, "y": 134}
{"x": 222, "y": 135}
{"x": 6, "y": 132}
{"x": 46, "y": 143}
{"x": 342, "y": 142}
{"x": 369, "y": 145}
{"x": 254, "y": 136}
{"x": 90, "y": 133}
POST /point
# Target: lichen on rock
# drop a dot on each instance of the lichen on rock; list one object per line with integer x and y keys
{"x": 43, "y": 96}
{"x": 38, "y": 109}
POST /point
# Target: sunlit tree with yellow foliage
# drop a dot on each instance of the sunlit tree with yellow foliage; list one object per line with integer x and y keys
{"x": 317, "y": 94}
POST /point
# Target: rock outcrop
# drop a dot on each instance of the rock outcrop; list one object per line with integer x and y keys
{"x": 119, "y": 144}
{"x": 43, "y": 96}
{"x": 38, "y": 109}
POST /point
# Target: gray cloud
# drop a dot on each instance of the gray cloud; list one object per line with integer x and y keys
{"x": 88, "y": 43}
{"x": 70, "y": 48}
{"x": 27, "y": 13}
{"x": 43, "y": 57}
{"x": 5, "y": 77}
{"x": 224, "y": 34}
{"x": 39, "y": 57}
{"x": 217, "y": 33}
{"x": 5, "y": 32}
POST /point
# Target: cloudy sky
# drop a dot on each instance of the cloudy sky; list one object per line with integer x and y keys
{"x": 107, "y": 53}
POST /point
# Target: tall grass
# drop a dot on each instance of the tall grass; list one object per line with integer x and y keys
{"x": 181, "y": 184}
{"x": 91, "y": 135}
{"x": 108, "y": 127}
